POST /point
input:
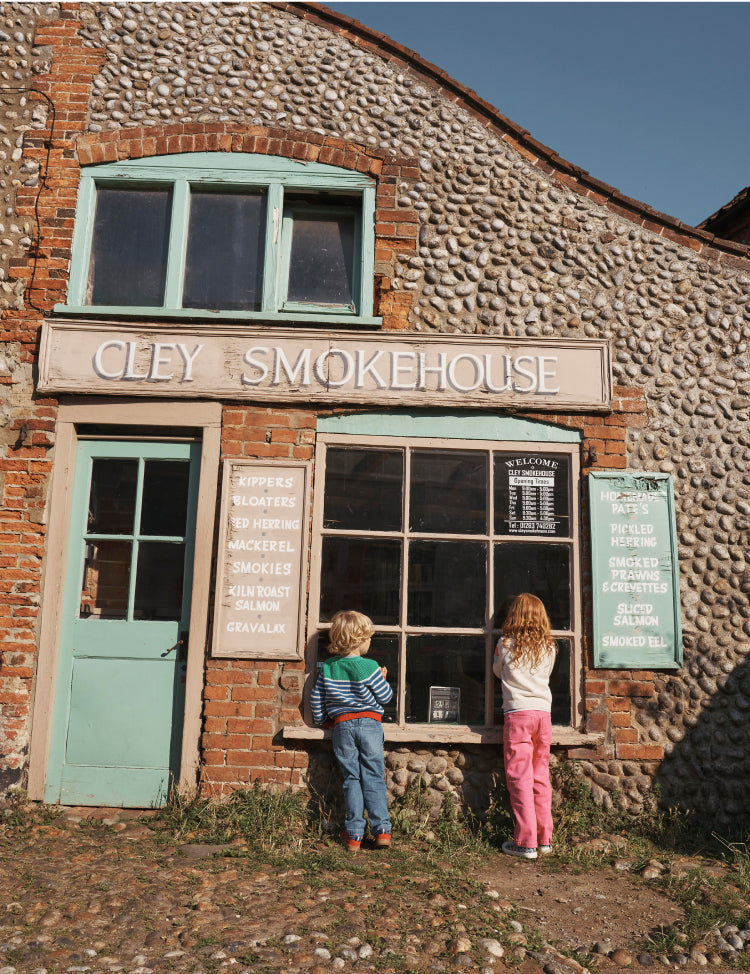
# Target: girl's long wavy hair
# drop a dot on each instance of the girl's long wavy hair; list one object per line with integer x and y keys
{"x": 527, "y": 624}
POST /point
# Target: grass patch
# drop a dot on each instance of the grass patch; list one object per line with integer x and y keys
{"x": 265, "y": 818}
{"x": 20, "y": 813}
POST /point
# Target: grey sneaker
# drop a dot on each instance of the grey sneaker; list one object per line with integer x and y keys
{"x": 545, "y": 850}
{"x": 511, "y": 849}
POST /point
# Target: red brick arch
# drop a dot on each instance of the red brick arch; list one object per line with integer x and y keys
{"x": 396, "y": 229}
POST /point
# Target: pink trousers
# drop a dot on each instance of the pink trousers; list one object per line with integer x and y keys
{"x": 527, "y": 735}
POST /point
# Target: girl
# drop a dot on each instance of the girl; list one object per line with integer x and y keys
{"x": 524, "y": 657}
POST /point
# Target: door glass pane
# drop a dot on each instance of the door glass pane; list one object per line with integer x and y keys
{"x": 224, "y": 264}
{"x": 444, "y": 665}
{"x": 321, "y": 261}
{"x": 559, "y": 684}
{"x": 532, "y": 494}
{"x": 363, "y": 489}
{"x": 361, "y": 574}
{"x": 448, "y": 492}
{"x": 384, "y": 650}
{"x": 112, "y": 497}
{"x": 447, "y": 584}
{"x": 106, "y": 580}
{"x": 541, "y": 569}
{"x": 158, "y": 580}
{"x": 128, "y": 263}
{"x": 165, "y": 497}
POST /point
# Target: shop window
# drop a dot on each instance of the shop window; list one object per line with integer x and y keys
{"x": 224, "y": 235}
{"x": 432, "y": 540}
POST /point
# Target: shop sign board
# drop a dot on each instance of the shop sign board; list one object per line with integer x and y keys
{"x": 229, "y": 362}
{"x": 262, "y": 544}
{"x": 635, "y": 573}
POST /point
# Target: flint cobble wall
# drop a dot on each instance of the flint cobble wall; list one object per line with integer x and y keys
{"x": 483, "y": 231}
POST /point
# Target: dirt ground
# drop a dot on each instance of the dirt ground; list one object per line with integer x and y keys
{"x": 114, "y": 898}
{"x": 580, "y": 909}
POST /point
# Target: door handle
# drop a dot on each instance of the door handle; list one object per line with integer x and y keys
{"x": 180, "y": 646}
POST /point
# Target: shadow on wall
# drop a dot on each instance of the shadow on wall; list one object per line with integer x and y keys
{"x": 707, "y": 772}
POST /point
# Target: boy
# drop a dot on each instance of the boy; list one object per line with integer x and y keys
{"x": 351, "y": 692}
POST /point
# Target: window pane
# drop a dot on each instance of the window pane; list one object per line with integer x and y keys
{"x": 541, "y": 569}
{"x": 532, "y": 494}
{"x": 363, "y": 489}
{"x": 448, "y": 492}
{"x": 128, "y": 263}
{"x": 384, "y": 650}
{"x": 449, "y": 662}
{"x": 361, "y": 574}
{"x": 158, "y": 580}
{"x": 559, "y": 684}
{"x": 165, "y": 497}
{"x": 224, "y": 264}
{"x": 321, "y": 260}
{"x": 447, "y": 584}
{"x": 106, "y": 579}
{"x": 112, "y": 497}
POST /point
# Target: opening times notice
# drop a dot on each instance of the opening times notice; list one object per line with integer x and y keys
{"x": 636, "y": 606}
{"x": 263, "y": 518}
{"x": 533, "y": 491}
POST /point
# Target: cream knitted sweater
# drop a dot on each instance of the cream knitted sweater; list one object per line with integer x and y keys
{"x": 523, "y": 688}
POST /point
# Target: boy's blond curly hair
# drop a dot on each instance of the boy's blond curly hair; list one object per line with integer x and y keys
{"x": 348, "y": 630}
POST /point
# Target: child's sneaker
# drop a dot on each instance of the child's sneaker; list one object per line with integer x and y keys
{"x": 383, "y": 840}
{"x": 352, "y": 845}
{"x": 545, "y": 850}
{"x": 511, "y": 849}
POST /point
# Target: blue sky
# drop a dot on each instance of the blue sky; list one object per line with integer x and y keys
{"x": 652, "y": 98}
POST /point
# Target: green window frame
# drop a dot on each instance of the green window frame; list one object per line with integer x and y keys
{"x": 288, "y": 187}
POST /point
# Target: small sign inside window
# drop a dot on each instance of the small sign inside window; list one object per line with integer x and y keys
{"x": 445, "y": 703}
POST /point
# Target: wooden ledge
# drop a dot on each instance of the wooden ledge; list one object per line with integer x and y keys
{"x": 444, "y": 735}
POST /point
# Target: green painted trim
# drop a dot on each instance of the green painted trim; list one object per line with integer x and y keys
{"x": 429, "y": 424}
{"x": 234, "y": 167}
{"x": 81, "y": 245}
{"x": 176, "y": 256}
{"x": 367, "y": 251}
{"x": 198, "y": 314}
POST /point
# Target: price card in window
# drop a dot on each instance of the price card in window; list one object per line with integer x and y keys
{"x": 445, "y": 705}
{"x": 259, "y": 585}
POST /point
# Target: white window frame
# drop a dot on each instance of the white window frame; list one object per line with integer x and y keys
{"x": 444, "y": 732}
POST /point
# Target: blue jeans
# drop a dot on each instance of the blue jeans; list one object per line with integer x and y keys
{"x": 358, "y": 746}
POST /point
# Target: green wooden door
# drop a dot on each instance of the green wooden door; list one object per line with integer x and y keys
{"x": 119, "y": 698}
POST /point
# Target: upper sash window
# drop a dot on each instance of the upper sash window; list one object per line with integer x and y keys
{"x": 229, "y": 235}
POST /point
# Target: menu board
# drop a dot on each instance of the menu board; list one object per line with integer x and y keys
{"x": 635, "y": 576}
{"x": 259, "y": 590}
{"x": 532, "y": 494}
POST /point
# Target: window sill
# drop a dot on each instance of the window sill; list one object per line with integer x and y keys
{"x": 433, "y": 734}
{"x": 196, "y": 314}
